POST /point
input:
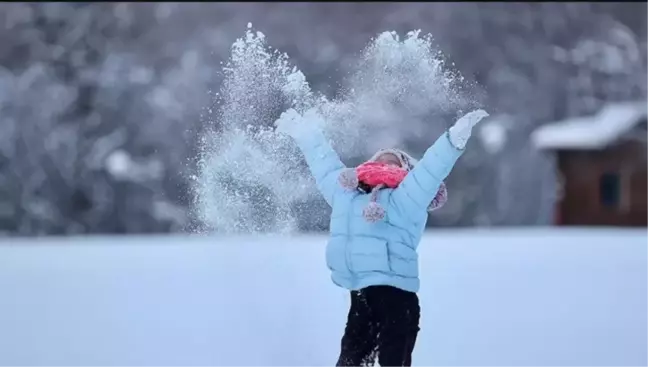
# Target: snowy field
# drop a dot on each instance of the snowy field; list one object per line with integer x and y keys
{"x": 505, "y": 297}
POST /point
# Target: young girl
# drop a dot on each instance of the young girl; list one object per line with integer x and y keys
{"x": 379, "y": 212}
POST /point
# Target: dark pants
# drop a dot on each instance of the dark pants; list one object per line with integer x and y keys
{"x": 383, "y": 321}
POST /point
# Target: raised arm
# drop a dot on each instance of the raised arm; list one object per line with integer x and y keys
{"x": 421, "y": 184}
{"x": 322, "y": 160}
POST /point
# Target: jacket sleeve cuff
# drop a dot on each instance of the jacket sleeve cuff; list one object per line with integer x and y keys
{"x": 447, "y": 134}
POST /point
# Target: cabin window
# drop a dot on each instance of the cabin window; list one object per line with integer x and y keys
{"x": 610, "y": 190}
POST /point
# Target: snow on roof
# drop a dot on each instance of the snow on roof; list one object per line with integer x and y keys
{"x": 592, "y": 132}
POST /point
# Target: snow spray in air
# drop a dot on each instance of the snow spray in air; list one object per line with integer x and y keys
{"x": 249, "y": 178}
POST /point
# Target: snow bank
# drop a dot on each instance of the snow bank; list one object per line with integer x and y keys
{"x": 523, "y": 297}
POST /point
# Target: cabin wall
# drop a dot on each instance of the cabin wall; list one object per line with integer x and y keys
{"x": 606, "y": 187}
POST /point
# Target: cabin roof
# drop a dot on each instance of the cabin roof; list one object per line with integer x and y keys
{"x": 591, "y": 132}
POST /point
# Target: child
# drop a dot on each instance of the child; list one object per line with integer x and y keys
{"x": 379, "y": 212}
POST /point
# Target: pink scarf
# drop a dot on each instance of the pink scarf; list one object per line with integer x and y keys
{"x": 376, "y": 173}
{"x": 379, "y": 175}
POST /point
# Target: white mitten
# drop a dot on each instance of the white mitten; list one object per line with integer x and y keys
{"x": 297, "y": 125}
{"x": 460, "y": 132}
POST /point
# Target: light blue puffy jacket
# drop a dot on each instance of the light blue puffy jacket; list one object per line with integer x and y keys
{"x": 360, "y": 253}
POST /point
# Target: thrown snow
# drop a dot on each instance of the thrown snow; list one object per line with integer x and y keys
{"x": 396, "y": 88}
{"x": 488, "y": 297}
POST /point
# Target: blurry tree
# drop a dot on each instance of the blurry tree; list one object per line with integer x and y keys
{"x": 95, "y": 135}
{"x": 100, "y": 103}
{"x": 539, "y": 62}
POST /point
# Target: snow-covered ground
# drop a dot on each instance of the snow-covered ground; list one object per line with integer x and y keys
{"x": 488, "y": 297}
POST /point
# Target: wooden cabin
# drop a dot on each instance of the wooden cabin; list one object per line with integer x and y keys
{"x": 601, "y": 164}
